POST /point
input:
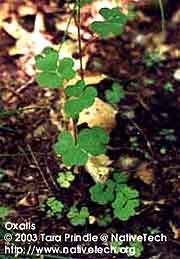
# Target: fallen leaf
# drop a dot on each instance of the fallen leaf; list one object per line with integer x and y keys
{"x": 99, "y": 114}
{"x": 99, "y": 168}
{"x": 145, "y": 173}
{"x": 175, "y": 230}
{"x": 29, "y": 200}
{"x": 93, "y": 77}
{"x": 39, "y": 131}
{"x": 28, "y": 43}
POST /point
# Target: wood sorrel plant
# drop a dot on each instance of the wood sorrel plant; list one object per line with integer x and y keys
{"x": 52, "y": 72}
{"x": 76, "y": 147}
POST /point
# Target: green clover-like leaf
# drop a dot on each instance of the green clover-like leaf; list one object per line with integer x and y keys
{"x": 93, "y": 140}
{"x": 125, "y": 203}
{"x": 120, "y": 178}
{"x": 102, "y": 193}
{"x": 72, "y": 154}
{"x": 115, "y": 94}
{"x": 113, "y": 23}
{"x": 75, "y": 90}
{"x": 47, "y": 60}
{"x": 78, "y": 217}
{"x": 49, "y": 79}
{"x": 104, "y": 220}
{"x": 65, "y": 140}
{"x": 65, "y": 68}
{"x": 81, "y": 97}
{"x": 51, "y": 71}
{"x": 75, "y": 156}
{"x": 64, "y": 179}
{"x": 77, "y": 153}
{"x": 55, "y": 207}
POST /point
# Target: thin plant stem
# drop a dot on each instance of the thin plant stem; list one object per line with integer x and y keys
{"x": 79, "y": 38}
{"x": 162, "y": 15}
{"x": 67, "y": 27}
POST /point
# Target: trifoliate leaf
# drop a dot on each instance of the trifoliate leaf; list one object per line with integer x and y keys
{"x": 87, "y": 98}
{"x": 52, "y": 71}
{"x": 93, "y": 140}
{"x": 104, "y": 220}
{"x": 129, "y": 192}
{"x": 113, "y": 23}
{"x": 77, "y": 153}
{"x": 65, "y": 140}
{"x": 47, "y": 61}
{"x": 81, "y": 97}
{"x": 77, "y": 217}
{"x": 71, "y": 154}
{"x": 84, "y": 212}
{"x": 55, "y": 207}
{"x": 64, "y": 179}
{"x": 116, "y": 94}
{"x": 49, "y": 79}
{"x": 102, "y": 193}
{"x": 65, "y": 68}
{"x": 72, "y": 108}
{"x": 120, "y": 177}
{"x": 125, "y": 203}
{"x": 75, "y": 156}
{"x": 75, "y": 90}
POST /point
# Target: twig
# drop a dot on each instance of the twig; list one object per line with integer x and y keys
{"x": 144, "y": 136}
{"x": 38, "y": 167}
{"x": 56, "y": 188}
{"x": 24, "y": 86}
{"x": 22, "y": 154}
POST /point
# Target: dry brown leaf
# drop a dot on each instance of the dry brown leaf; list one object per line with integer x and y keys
{"x": 29, "y": 200}
{"x": 99, "y": 168}
{"x": 39, "y": 131}
{"x": 145, "y": 173}
{"x": 99, "y": 114}
{"x": 28, "y": 43}
{"x": 175, "y": 230}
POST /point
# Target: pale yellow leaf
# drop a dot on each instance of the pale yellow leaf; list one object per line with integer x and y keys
{"x": 99, "y": 114}
{"x": 99, "y": 168}
{"x": 93, "y": 77}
